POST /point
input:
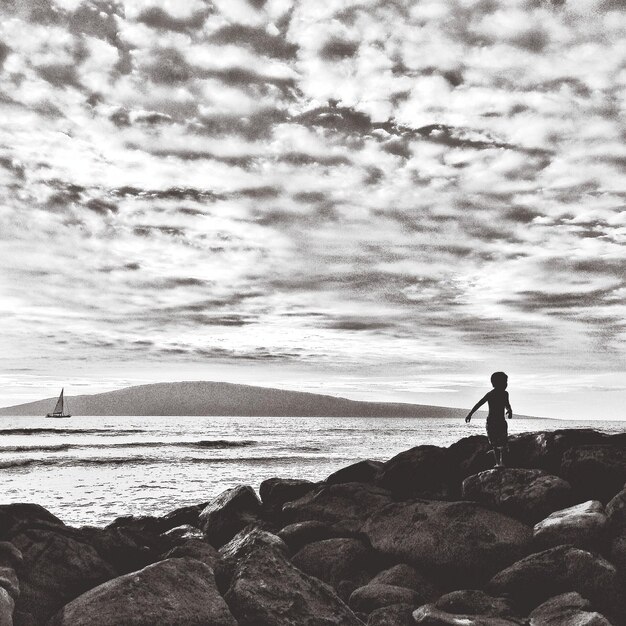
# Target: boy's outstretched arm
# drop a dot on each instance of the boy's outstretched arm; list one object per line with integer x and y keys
{"x": 476, "y": 407}
{"x": 509, "y": 410}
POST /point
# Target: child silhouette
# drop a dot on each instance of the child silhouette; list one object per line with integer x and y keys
{"x": 498, "y": 399}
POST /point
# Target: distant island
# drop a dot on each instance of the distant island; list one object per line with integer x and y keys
{"x": 216, "y": 398}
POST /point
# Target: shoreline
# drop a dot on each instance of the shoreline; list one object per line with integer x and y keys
{"x": 355, "y": 548}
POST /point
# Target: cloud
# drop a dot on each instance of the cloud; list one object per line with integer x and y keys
{"x": 336, "y": 184}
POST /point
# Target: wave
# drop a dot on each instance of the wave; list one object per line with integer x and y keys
{"x": 68, "y": 431}
{"x": 203, "y": 443}
{"x": 145, "y": 460}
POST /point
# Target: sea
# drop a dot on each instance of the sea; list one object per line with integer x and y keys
{"x": 90, "y": 470}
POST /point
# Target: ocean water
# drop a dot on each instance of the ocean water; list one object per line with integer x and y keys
{"x": 90, "y": 470}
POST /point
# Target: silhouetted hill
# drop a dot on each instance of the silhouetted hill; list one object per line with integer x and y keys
{"x": 213, "y": 398}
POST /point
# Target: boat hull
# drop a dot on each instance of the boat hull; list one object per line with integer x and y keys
{"x": 57, "y": 416}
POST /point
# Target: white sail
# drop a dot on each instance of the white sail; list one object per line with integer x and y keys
{"x": 58, "y": 409}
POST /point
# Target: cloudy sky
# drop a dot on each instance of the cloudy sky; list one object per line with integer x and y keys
{"x": 376, "y": 199}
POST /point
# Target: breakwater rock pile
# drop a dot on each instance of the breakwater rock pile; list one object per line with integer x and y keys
{"x": 433, "y": 536}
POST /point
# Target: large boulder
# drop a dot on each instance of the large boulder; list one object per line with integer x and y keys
{"x": 582, "y": 525}
{"x": 244, "y": 543}
{"x": 596, "y": 472}
{"x": 543, "y": 575}
{"x": 58, "y": 565}
{"x": 187, "y": 515}
{"x": 19, "y": 516}
{"x": 525, "y": 494}
{"x": 375, "y": 596}
{"x": 347, "y": 505}
{"x": 177, "y": 592}
{"x": 471, "y": 455}
{"x": 298, "y": 535}
{"x": 568, "y": 609}
{"x": 197, "y": 549}
{"x": 475, "y": 602}
{"x": 361, "y": 472}
{"x": 267, "y": 590}
{"x": 616, "y": 512}
{"x": 393, "y": 615}
{"x": 275, "y": 492}
{"x": 430, "y": 615}
{"x": 229, "y": 513}
{"x": 461, "y": 543}
{"x": 423, "y": 471}
{"x": 334, "y": 560}
{"x": 403, "y": 575}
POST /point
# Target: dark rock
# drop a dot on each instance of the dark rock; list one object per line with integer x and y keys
{"x": 267, "y": 590}
{"x": 394, "y": 615}
{"x": 188, "y": 515}
{"x": 471, "y": 455}
{"x": 543, "y": 575}
{"x": 240, "y": 546}
{"x": 347, "y": 505}
{"x": 300, "y": 534}
{"x": 544, "y": 450}
{"x": 182, "y": 533}
{"x": 334, "y": 560}
{"x": 197, "y": 549}
{"x": 430, "y": 615}
{"x": 276, "y": 492}
{"x": 568, "y": 609}
{"x": 423, "y": 471}
{"x": 13, "y": 516}
{"x": 178, "y": 592}
{"x": 617, "y": 552}
{"x": 616, "y": 512}
{"x": 582, "y": 525}
{"x": 10, "y": 556}
{"x": 461, "y": 543}
{"x": 375, "y": 596}
{"x": 525, "y": 494}
{"x": 404, "y": 575}
{"x": 229, "y": 513}
{"x": 56, "y": 569}
{"x": 345, "y": 588}
{"x": 474, "y": 602}
{"x": 361, "y": 472}
{"x": 596, "y": 472}
{"x": 7, "y": 606}
{"x": 126, "y": 549}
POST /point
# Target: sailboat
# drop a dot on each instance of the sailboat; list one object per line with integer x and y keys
{"x": 60, "y": 408}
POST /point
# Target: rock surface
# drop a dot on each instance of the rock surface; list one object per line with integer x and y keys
{"x": 423, "y": 471}
{"x": 525, "y": 494}
{"x": 347, "y": 505}
{"x": 361, "y": 472}
{"x": 543, "y": 575}
{"x": 376, "y": 595}
{"x": 394, "y": 615}
{"x": 227, "y": 514}
{"x": 430, "y": 615}
{"x": 568, "y": 609}
{"x": 275, "y": 492}
{"x": 57, "y": 568}
{"x": 583, "y": 525}
{"x": 177, "y": 592}
{"x": 460, "y": 542}
{"x": 596, "y": 472}
{"x": 403, "y": 575}
{"x": 298, "y": 535}
{"x": 334, "y": 560}
{"x": 474, "y": 602}
{"x": 267, "y": 590}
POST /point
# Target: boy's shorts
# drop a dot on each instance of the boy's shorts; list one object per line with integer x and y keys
{"x": 497, "y": 431}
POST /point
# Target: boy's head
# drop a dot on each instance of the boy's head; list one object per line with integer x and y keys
{"x": 499, "y": 380}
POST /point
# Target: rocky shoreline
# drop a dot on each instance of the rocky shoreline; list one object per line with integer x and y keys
{"x": 433, "y": 536}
